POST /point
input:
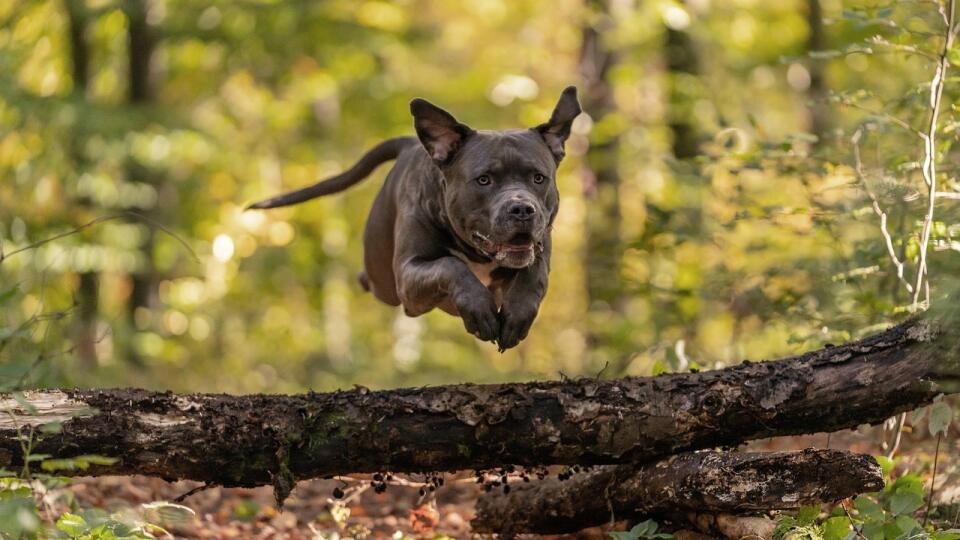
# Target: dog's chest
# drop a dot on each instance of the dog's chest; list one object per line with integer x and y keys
{"x": 483, "y": 271}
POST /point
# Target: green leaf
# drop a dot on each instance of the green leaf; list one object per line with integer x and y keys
{"x": 908, "y": 482}
{"x": 906, "y": 524}
{"x": 72, "y": 524}
{"x": 873, "y": 530}
{"x": 836, "y": 528}
{"x": 95, "y": 459}
{"x": 76, "y": 463}
{"x": 905, "y": 502}
{"x": 659, "y": 368}
{"x": 869, "y": 509}
{"x": 941, "y": 414}
{"x": 644, "y": 528}
{"x": 886, "y": 465}
{"x": 807, "y": 515}
{"x": 918, "y": 415}
{"x": 891, "y": 531}
{"x": 19, "y": 517}
{"x": 169, "y": 512}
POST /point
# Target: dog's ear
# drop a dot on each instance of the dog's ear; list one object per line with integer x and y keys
{"x": 441, "y": 134}
{"x": 557, "y": 129}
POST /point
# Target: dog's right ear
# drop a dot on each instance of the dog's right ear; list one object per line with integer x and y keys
{"x": 439, "y": 132}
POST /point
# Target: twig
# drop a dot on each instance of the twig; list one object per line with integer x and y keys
{"x": 193, "y": 491}
{"x": 97, "y": 221}
{"x": 929, "y": 169}
{"x": 898, "y": 426}
{"x": 852, "y": 524}
{"x": 933, "y": 480}
{"x": 882, "y": 114}
{"x": 858, "y": 170}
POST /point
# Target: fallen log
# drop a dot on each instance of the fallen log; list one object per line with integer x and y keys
{"x": 700, "y": 482}
{"x": 263, "y": 439}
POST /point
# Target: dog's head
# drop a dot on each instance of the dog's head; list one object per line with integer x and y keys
{"x": 500, "y": 191}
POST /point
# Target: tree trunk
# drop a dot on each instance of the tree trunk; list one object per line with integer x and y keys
{"x": 262, "y": 439}
{"x": 682, "y": 62}
{"x": 88, "y": 291}
{"x": 601, "y": 179}
{"x": 704, "y": 482}
{"x": 140, "y": 45}
{"x": 819, "y": 108}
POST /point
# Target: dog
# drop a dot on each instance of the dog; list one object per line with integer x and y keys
{"x": 463, "y": 220}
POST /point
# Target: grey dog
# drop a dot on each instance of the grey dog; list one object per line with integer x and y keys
{"x": 463, "y": 220}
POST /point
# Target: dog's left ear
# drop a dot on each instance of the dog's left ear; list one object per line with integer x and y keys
{"x": 439, "y": 132}
{"x": 557, "y": 129}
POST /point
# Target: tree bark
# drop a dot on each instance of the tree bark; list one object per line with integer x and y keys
{"x": 261, "y": 439}
{"x": 88, "y": 291}
{"x": 702, "y": 482}
{"x": 816, "y": 41}
{"x": 601, "y": 177}
{"x": 682, "y": 61}
{"x": 140, "y": 47}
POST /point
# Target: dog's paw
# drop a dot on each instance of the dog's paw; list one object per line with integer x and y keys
{"x": 515, "y": 322}
{"x": 479, "y": 314}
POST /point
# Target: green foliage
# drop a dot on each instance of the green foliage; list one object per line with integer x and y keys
{"x": 80, "y": 463}
{"x": 941, "y": 414}
{"x": 645, "y": 530}
{"x": 22, "y": 496}
{"x": 887, "y": 515}
{"x": 19, "y": 517}
{"x": 766, "y": 244}
{"x": 20, "y": 511}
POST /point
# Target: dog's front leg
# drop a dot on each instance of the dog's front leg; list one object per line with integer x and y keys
{"x": 521, "y": 301}
{"x": 425, "y": 284}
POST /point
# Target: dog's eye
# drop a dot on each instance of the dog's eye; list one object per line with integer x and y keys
{"x": 539, "y": 178}
{"x": 483, "y": 180}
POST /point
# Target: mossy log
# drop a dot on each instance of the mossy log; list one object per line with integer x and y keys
{"x": 697, "y": 482}
{"x": 276, "y": 439}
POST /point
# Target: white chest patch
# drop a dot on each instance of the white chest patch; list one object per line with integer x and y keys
{"x": 481, "y": 270}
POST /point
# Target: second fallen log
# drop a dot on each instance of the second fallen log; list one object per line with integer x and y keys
{"x": 702, "y": 482}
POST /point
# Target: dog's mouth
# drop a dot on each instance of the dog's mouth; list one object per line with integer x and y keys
{"x": 521, "y": 247}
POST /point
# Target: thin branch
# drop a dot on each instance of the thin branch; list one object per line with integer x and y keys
{"x": 852, "y": 524}
{"x": 901, "y": 48}
{"x": 198, "y": 489}
{"x": 97, "y": 221}
{"x": 882, "y": 114}
{"x": 858, "y": 170}
{"x": 929, "y": 170}
{"x": 933, "y": 487}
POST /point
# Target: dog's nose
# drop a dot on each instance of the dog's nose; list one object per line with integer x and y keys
{"x": 521, "y": 210}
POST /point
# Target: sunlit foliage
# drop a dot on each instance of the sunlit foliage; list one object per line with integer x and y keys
{"x": 765, "y": 244}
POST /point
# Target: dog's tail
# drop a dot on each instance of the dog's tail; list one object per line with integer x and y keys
{"x": 383, "y": 152}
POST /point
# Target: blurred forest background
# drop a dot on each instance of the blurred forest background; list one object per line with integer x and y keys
{"x": 726, "y": 195}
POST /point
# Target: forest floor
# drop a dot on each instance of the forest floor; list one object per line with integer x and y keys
{"x": 312, "y": 513}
